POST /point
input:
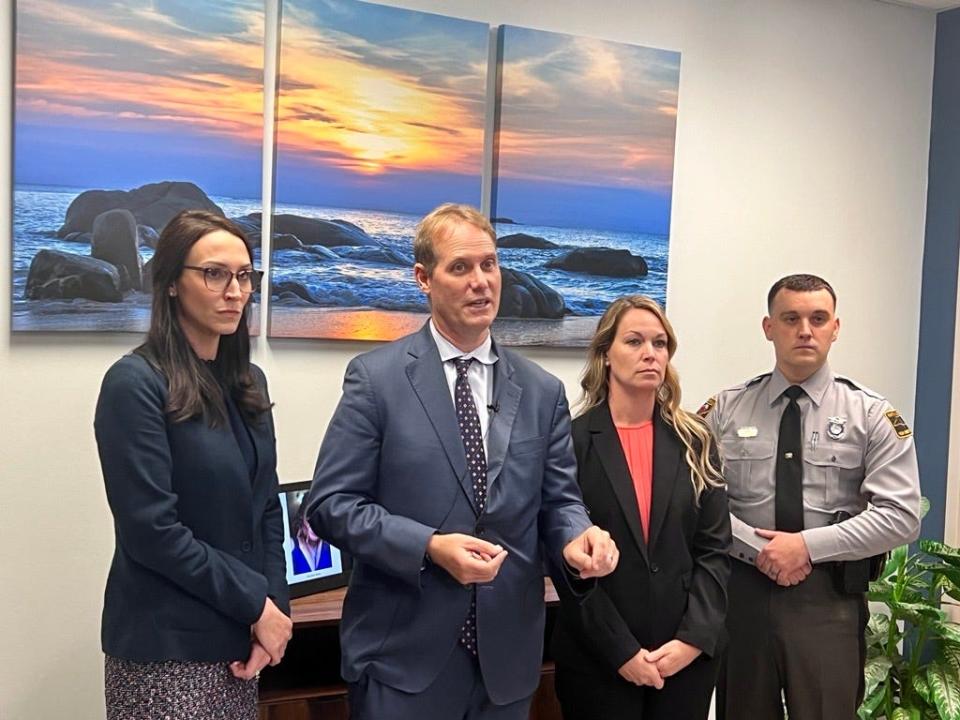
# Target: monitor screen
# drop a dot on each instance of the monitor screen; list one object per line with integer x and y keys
{"x": 313, "y": 564}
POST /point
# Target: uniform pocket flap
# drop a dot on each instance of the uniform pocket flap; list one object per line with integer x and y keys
{"x": 748, "y": 449}
{"x": 842, "y": 457}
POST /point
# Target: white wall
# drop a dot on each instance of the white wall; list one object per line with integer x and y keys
{"x": 801, "y": 146}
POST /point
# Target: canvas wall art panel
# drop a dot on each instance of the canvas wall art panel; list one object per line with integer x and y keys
{"x": 124, "y": 114}
{"x": 380, "y": 117}
{"x": 584, "y": 176}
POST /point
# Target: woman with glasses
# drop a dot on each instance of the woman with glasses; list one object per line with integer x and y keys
{"x": 196, "y": 601}
{"x": 645, "y": 644}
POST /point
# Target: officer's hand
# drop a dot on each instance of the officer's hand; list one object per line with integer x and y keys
{"x": 468, "y": 559}
{"x": 785, "y": 553}
{"x": 593, "y": 553}
{"x": 640, "y": 671}
{"x": 788, "y": 579}
{"x": 673, "y": 656}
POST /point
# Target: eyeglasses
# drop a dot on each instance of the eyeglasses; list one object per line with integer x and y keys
{"x": 218, "y": 279}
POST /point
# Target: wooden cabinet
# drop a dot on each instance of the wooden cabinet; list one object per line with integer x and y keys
{"x": 307, "y": 684}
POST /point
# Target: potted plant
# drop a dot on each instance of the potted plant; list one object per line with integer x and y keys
{"x": 913, "y": 650}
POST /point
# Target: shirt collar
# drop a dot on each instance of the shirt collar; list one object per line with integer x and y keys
{"x": 814, "y": 386}
{"x": 448, "y": 351}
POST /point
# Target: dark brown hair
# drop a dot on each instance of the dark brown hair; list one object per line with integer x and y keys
{"x": 193, "y": 388}
{"x": 800, "y": 282}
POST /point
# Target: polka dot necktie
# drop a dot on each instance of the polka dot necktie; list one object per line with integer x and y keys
{"x": 472, "y": 436}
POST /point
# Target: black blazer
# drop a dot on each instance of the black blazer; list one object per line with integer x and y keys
{"x": 673, "y": 587}
{"x": 198, "y": 546}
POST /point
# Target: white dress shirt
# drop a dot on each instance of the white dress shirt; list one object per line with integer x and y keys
{"x": 479, "y": 375}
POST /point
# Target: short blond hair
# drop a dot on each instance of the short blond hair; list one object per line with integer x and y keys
{"x": 439, "y": 223}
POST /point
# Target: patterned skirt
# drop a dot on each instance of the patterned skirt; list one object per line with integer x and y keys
{"x": 176, "y": 690}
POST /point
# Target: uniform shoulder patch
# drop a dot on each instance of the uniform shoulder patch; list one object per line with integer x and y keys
{"x": 899, "y": 426}
{"x": 707, "y": 407}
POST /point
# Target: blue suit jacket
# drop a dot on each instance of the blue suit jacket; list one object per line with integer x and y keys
{"x": 198, "y": 546}
{"x": 392, "y": 472}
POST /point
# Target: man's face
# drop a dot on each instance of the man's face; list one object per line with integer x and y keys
{"x": 802, "y": 327}
{"x": 464, "y": 287}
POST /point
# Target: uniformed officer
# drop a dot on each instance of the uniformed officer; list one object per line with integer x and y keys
{"x": 822, "y": 479}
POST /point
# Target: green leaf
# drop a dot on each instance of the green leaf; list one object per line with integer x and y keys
{"x": 944, "y": 691}
{"x": 949, "y": 631}
{"x": 921, "y": 686}
{"x": 875, "y": 672}
{"x": 878, "y": 629}
{"x": 916, "y": 612}
{"x": 904, "y": 713}
{"x": 944, "y": 552}
{"x": 872, "y": 702}
{"x": 924, "y": 507}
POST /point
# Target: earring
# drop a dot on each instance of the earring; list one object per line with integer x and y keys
{"x": 172, "y": 291}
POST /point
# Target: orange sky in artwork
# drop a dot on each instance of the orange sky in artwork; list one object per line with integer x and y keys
{"x": 373, "y": 120}
{"x": 216, "y": 103}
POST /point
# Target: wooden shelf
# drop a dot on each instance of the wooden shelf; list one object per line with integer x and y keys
{"x": 307, "y": 684}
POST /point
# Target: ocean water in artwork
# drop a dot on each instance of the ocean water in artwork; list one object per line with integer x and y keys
{"x": 39, "y": 211}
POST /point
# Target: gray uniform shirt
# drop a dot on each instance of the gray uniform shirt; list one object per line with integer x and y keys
{"x": 858, "y": 456}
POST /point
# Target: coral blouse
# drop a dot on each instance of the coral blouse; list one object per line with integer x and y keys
{"x": 637, "y": 443}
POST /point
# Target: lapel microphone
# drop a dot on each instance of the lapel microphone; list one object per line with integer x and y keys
{"x": 495, "y": 408}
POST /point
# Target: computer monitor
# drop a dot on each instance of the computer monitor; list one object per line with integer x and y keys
{"x": 313, "y": 564}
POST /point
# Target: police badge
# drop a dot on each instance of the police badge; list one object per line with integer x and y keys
{"x": 836, "y": 427}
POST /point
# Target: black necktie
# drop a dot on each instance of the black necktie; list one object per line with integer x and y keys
{"x": 472, "y": 436}
{"x": 789, "y": 494}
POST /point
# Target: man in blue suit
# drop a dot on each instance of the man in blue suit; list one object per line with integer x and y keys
{"x": 446, "y": 471}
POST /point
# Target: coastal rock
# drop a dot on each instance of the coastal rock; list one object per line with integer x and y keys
{"x": 285, "y": 241}
{"x": 601, "y": 261}
{"x": 79, "y": 237}
{"x": 115, "y": 240}
{"x": 147, "y": 236}
{"x": 154, "y": 205}
{"x": 523, "y": 296}
{"x": 523, "y": 240}
{"x": 314, "y": 231}
{"x": 286, "y": 289}
{"x": 146, "y": 276}
{"x": 502, "y": 221}
{"x": 319, "y": 251}
{"x": 59, "y": 275}
{"x": 251, "y": 229}
{"x": 380, "y": 254}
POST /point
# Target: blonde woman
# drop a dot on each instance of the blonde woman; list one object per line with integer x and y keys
{"x": 645, "y": 644}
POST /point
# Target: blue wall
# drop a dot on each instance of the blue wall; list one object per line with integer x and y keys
{"x": 941, "y": 255}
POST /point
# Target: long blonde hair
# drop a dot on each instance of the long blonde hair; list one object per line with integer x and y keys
{"x": 690, "y": 428}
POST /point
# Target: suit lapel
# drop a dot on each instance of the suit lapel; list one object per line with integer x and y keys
{"x": 666, "y": 464}
{"x": 506, "y": 403}
{"x": 610, "y": 451}
{"x": 425, "y": 372}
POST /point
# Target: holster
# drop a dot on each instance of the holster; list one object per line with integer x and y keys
{"x": 853, "y": 577}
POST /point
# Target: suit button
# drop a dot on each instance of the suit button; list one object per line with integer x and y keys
{"x": 480, "y": 530}
{"x": 246, "y": 547}
{"x": 654, "y": 568}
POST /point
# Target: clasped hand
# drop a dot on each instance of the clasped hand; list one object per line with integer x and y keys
{"x": 652, "y": 667}
{"x": 785, "y": 559}
{"x": 468, "y": 559}
{"x": 271, "y": 633}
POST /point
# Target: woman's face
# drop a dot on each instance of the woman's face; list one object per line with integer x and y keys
{"x": 637, "y": 359}
{"x": 206, "y": 314}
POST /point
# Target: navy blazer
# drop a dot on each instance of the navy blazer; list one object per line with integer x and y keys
{"x": 198, "y": 546}
{"x": 675, "y": 585}
{"x": 392, "y": 471}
